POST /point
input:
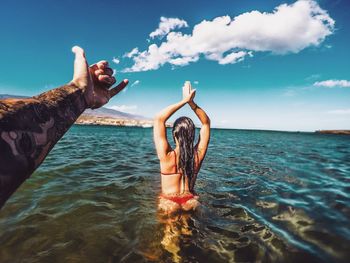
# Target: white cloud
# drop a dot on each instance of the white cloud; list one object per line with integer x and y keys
{"x": 124, "y": 108}
{"x": 133, "y": 52}
{"x": 196, "y": 82}
{"x": 136, "y": 82}
{"x": 288, "y": 29}
{"x": 116, "y": 60}
{"x": 340, "y": 112}
{"x": 232, "y": 58}
{"x": 183, "y": 61}
{"x": 331, "y": 83}
{"x": 166, "y": 25}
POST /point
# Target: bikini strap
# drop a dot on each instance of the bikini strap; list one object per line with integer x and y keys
{"x": 175, "y": 162}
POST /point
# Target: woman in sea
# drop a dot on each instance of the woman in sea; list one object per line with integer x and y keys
{"x": 179, "y": 167}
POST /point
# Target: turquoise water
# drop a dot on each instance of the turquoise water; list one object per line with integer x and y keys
{"x": 266, "y": 197}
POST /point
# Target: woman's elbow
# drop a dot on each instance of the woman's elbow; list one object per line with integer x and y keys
{"x": 158, "y": 118}
{"x": 207, "y": 122}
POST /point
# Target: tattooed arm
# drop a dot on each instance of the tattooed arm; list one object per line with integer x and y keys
{"x": 29, "y": 128}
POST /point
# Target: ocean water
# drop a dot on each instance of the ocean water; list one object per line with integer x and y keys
{"x": 266, "y": 197}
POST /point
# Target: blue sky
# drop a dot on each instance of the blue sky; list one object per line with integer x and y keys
{"x": 256, "y": 64}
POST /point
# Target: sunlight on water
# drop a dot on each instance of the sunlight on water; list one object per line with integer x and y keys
{"x": 266, "y": 196}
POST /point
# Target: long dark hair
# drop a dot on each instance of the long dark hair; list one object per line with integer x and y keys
{"x": 184, "y": 133}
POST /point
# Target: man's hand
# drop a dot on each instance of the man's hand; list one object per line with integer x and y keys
{"x": 30, "y": 127}
{"x": 96, "y": 80}
{"x": 187, "y": 92}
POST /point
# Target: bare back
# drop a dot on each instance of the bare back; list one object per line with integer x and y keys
{"x": 171, "y": 176}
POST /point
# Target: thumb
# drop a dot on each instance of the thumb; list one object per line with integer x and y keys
{"x": 81, "y": 74}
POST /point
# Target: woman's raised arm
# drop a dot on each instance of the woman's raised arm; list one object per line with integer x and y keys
{"x": 204, "y": 137}
{"x": 159, "y": 128}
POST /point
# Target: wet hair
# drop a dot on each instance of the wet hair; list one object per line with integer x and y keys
{"x": 184, "y": 133}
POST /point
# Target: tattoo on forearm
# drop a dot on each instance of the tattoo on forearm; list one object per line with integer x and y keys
{"x": 29, "y": 128}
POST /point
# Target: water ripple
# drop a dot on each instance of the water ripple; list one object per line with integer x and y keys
{"x": 266, "y": 197}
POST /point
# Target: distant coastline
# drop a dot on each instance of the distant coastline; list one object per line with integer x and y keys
{"x": 341, "y": 132}
{"x": 110, "y": 121}
{"x": 110, "y": 117}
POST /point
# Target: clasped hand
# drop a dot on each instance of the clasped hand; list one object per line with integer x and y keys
{"x": 188, "y": 93}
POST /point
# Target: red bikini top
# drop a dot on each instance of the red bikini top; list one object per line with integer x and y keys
{"x": 175, "y": 161}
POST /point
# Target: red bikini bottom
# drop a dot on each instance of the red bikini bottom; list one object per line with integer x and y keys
{"x": 179, "y": 199}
